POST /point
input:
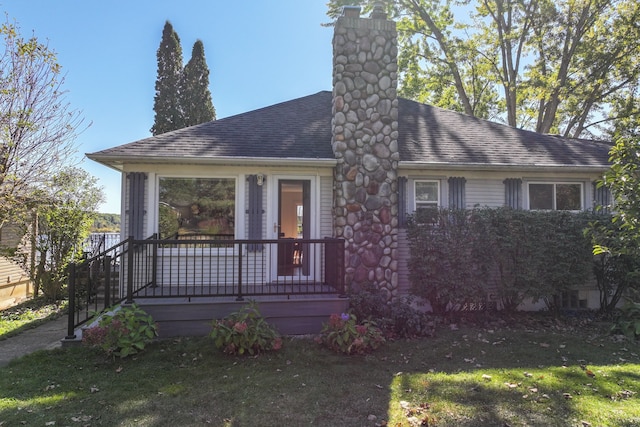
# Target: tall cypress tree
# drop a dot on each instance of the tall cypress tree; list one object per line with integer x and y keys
{"x": 167, "y": 98}
{"x": 195, "y": 97}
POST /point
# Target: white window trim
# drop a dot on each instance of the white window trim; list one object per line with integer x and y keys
{"x": 428, "y": 180}
{"x": 582, "y": 185}
{"x": 239, "y": 229}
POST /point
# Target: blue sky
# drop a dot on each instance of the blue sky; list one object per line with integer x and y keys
{"x": 259, "y": 53}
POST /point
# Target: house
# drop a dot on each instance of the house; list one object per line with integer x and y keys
{"x": 350, "y": 164}
{"x": 15, "y": 282}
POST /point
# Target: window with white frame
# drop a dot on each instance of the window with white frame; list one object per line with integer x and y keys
{"x": 196, "y": 207}
{"x": 563, "y": 196}
{"x": 426, "y": 194}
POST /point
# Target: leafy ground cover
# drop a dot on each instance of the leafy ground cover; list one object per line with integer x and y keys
{"x": 514, "y": 373}
{"x": 29, "y": 314}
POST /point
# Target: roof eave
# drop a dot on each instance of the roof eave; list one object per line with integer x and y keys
{"x": 533, "y": 167}
{"x": 118, "y": 162}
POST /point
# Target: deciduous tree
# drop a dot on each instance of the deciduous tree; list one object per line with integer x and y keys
{"x": 65, "y": 214}
{"x": 37, "y": 126}
{"x": 568, "y": 66}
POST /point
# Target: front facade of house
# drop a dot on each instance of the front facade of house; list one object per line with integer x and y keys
{"x": 348, "y": 164}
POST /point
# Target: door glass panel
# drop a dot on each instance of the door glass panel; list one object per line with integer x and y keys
{"x": 291, "y": 226}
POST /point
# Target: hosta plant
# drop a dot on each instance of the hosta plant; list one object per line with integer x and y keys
{"x": 245, "y": 332}
{"x": 122, "y": 332}
{"x": 343, "y": 334}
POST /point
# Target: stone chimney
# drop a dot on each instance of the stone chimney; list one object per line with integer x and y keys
{"x": 365, "y": 143}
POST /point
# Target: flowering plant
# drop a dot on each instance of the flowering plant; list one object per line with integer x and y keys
{"x": 343, "y": 334}
{"x": 245, "y": 331}
{"x": 125, "y": 332}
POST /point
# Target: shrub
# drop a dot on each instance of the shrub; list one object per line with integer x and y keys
{"x": 445, "y": 251}
{"x": 396, "y": 318}
{"x": 245, "y": 331}
{"x": 458, "y": 255}
{"x": 343, "y": 334}
{"x": 616, "y": 262}
{"x": 122, "y": 334}
{"x": 628, "y": 320}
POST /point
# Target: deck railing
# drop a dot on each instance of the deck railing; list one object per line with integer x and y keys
{"x": 195, "y": 267}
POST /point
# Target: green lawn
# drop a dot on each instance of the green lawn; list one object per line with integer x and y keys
{"x": 29, "y": 314}
{"x": 515, "y": 376}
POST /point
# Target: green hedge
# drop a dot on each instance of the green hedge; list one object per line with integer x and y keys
{"x": 458, "y": 255}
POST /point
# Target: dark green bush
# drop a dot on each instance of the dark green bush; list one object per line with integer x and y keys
{"x": 628, "y": 320}
{"x": 397, "y": 318}
{"x": 458, "y": 255}
{"x": 446, "y": 254}
{"x": 616, "y": 262}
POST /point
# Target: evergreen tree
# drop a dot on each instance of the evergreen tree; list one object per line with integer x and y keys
{"x": 195, "y": 97}
{"x": 166, "y": 103}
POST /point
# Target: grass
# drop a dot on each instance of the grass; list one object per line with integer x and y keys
{"x": 29, "y": 314}
{"x": 546, "y": 375}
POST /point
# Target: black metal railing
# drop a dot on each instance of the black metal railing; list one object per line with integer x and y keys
{"x": 189, "y": 268}
{"x": 95, "y": 284}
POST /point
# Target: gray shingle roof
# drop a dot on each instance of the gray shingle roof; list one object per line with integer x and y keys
{"x": 301, "y": 129}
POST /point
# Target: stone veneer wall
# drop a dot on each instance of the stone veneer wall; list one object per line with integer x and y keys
{"x": 364, "y": 140}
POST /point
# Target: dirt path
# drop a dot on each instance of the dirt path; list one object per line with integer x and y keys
{"x": 44, "y": 337}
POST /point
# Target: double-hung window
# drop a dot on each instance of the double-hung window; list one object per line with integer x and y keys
{"x": 196, "y": 207}
{"x": 555, "y": 196}
{"x": 427, "y": 194}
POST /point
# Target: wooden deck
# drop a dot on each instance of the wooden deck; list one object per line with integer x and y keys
{"x": 289, "y": 314}
{"x": 186, "y": 284}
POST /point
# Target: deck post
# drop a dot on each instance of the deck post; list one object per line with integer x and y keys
{"x": 240, "y": 297}
{"x": 72, "y": 302}
{"x": 154, "y": 262}
{"x": 107, "y": 280}
{"x": 130, "y": 245}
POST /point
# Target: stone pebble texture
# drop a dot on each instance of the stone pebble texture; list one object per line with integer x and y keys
{"x": 365, "y": 143}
